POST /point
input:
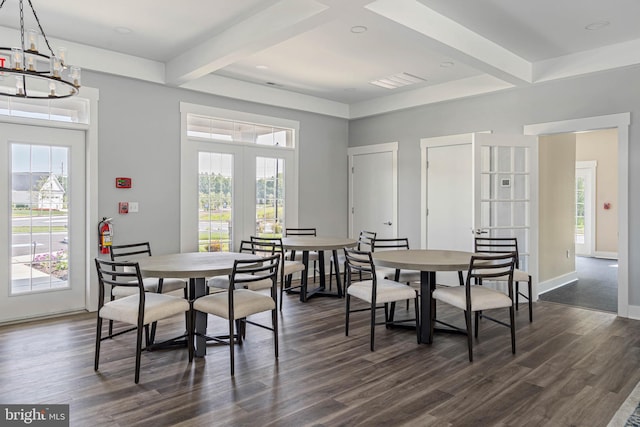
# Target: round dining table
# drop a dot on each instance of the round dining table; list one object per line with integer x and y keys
{"x": 197, "y": 267}
{"x": 428, "y": 262}
{"x": 320, "y": 244}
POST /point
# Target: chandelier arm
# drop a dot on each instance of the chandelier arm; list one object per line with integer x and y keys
{"x": 44, "y": 36}
{"x": 21, "y": 26}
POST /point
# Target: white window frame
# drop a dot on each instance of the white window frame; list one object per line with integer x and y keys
{"x": 189, "y": 148}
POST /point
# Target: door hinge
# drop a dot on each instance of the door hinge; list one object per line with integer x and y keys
{"x": 353, "y": 169}
{"x": 352, "y": 210}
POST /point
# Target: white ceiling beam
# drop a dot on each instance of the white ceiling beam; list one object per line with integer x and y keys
{"x": 268, "y": 27}
{"x": 456, "y": 41}
{"x": 236, "y": 89}
{"x": 590, "y": 61}
{"x": 101, "y": 60}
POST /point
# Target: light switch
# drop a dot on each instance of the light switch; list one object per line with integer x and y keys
{"x": 133, "y": 207}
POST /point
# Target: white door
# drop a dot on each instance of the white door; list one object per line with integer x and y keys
{"x": 585, "y": 207}
{"x": 43, "y": 246}
{"x": 373, "y": 190}
{"x": 505, "y": 191}
{"x": 450, "y": 208}
{"x": 449, "y": 212}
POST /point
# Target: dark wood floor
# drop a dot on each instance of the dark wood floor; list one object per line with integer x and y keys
{"x": 573, "y": 367}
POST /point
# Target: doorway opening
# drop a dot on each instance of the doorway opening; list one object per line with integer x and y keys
{"x": 594, "y": 283}
{"x": 619, "y": 123}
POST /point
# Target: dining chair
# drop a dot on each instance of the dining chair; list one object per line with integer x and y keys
{"x": 262, "y": 249}
{"x": 501, "y": 245}
{"x": 237, "y": 303}
{"x": 133, "y": 251}
{"x": 375, "y": 291}
{"x": 396, "y": 274}
{"x": 365, "y": 243}
{"x": 313, "y": 255}
{"x": 139, "y": 309}
{"x": 475, "y": 298}
{"x": 287, "y": 267}
{"x": 160, "y": 285}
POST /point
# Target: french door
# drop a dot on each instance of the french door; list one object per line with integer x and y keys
{"x": 505, "y": 195}
{"x": 242, "y": 191}
{"x": 42, "y": 229}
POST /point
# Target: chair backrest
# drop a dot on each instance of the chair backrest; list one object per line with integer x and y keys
{"x": 491, "y": 266}
{"x": 247, "y": 271}
{"x": 113, "y": 273}
{"x": 130, "y": 251}
{"x": 262, "y": 247}
{"x": 358, "y": 262}
{"x": 275, "y": 242}
{"x": 300, "y": 232}
{"x": 365, "y": 240}
{"x": 398, "y": 243}
{"x": 497, "y": 245}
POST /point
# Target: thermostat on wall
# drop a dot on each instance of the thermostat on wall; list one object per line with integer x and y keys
{"x": 122, "y": 182}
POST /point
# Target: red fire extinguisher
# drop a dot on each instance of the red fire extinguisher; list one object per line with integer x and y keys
{"x": 105, "y": 234}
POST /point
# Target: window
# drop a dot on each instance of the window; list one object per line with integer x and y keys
{"x": 236, "y": 131}
{"x": 235, "y": 169}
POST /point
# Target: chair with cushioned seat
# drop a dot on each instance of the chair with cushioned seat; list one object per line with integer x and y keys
{"x": 375, "y": 291}
{"x": 501, "y": 245}
{"x": 139, "y": 309}
{"x": 238, "y": 302}
{"x": 160, "y": 285}
{"x": 313, "y": 255}
{"x": 263, "y": 249}
{"x": 475, "y": 298}
{"x": 133, "y": 251}
{"x": 365, "y": 243}
{"x": 287, "y": 267}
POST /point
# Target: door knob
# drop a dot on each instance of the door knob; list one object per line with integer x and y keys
{"x": 387, "y": 223}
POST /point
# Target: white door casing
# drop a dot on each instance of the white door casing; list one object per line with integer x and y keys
{"x": 621, "y": 122}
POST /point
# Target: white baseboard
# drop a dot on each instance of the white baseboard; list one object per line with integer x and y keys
{"x": 606, "y": 255}
{"x": 557, "y": 282}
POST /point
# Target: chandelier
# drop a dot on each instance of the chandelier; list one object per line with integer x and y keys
{"x": 36, "y": 74}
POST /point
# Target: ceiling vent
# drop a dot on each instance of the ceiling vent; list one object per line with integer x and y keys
{"x": 397, "y": 80}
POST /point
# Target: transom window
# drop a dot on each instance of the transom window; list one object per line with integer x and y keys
{"x": 238, "y": 131}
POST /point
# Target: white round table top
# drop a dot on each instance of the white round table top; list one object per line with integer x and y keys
{"x": 423, "y": 259}
{"x": 192, "y": 264}
{"x": 315, "y": 243}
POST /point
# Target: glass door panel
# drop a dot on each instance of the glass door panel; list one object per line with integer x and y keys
{"x": 39, "y": 218}
{"x": 270, "y": 196}
{"x": 215, "y": 202}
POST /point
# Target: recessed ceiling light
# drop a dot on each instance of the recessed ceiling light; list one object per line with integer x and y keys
{"x": 447, "y": 64}
{"x": 262, "y": 67}
{"x": 122, "y": 30}
{"x": 597, "y": 25}
{"x": 358, "y": 29}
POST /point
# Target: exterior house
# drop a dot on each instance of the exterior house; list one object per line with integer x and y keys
{"x": 40, "y": 190}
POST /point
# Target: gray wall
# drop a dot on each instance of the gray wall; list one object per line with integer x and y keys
{"x": 507, "y": 112}
{"x": 139, "y": 137}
